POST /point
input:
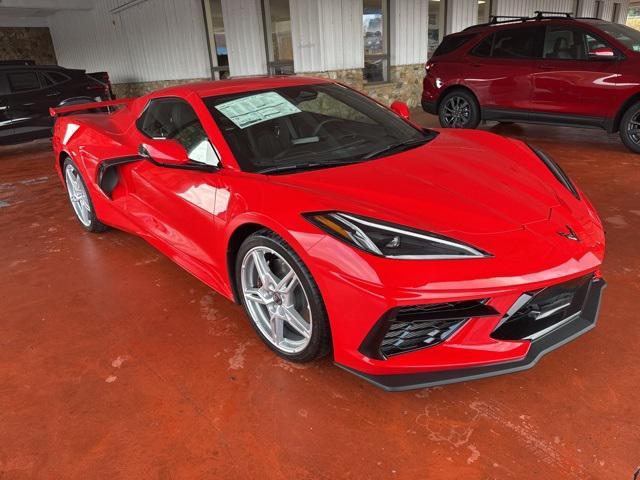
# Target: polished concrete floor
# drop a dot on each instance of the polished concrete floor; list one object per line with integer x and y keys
{"x": 115, "y": 363}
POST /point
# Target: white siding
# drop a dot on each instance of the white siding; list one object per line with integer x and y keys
{"x": 461, "y": 14}
{"x": 326, "y": 34}
{"x": 409, "y": 39}
{"x": 244, "y": 32}
{"x": 588, "y": 9}
{"x": 154, "y": 40}
{"x": 527, "y": 7}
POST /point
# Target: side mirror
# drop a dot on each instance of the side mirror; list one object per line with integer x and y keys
{"x": 168, "y": 153}
{"x": 401, "y": 108}
{"x": 603, "y": 53}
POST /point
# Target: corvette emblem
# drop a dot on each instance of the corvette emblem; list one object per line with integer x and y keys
{"x": 570, "y": 234}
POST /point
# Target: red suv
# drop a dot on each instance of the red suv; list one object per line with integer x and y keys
{"x": 544, "y": 69}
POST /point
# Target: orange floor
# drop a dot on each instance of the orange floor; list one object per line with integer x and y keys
{"x": 115, "y": 363}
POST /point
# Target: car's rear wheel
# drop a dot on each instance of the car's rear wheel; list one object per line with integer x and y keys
{"x": 80, "y": 199}
{"x": 281, "y": 298}
{"x": 459, "y": 109}
{"x": 630, "y": 128}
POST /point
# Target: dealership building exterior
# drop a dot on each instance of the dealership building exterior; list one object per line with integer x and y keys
{"x": 376, "y": 46}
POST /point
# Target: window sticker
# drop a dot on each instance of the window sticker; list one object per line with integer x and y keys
{"x": 247, "y": 111}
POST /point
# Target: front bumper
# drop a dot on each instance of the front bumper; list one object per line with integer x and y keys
{"x": 539, "y": 347}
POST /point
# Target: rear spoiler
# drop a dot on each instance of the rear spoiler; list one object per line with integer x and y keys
{"x": 59, "y": 111}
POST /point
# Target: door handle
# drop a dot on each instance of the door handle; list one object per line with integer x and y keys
{"x": 546, "y": 67}
{"x": 53, "y": 94}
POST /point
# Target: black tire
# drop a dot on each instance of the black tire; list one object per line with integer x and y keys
{"x": 631, "y": 120}
{"x": 319, "y": 344}
{"x": 93, "y": 224}
{"x": 459, "y": 109}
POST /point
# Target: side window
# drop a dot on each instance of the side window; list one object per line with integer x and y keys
{"x": 327, "y": 105}
{"x": 174, "y": 119}
{"x": 57, "y": 77}
{"x": 23, "y": 81}
{"x": 452, "y": 43}
{"x": 592, "y": 44}
{"x": 483, "y": 49}
{"x": 564, "y": 43}
{"x": 44, "y": 80}
{"x": 515, "y": 43}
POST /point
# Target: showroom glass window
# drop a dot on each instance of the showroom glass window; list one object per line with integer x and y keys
{"x": 484, "y": 10}
{"x": 375, "y": 29}
{"x": 277, "y": 22}
{"x": 436, "y": 27}
{"x": 217, "y": 40}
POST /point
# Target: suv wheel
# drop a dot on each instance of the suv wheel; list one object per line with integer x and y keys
{"x": 630, "y": 128}
{"x": 459, "y": 109}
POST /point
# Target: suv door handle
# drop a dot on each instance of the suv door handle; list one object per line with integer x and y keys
{"x": 53, "y": 94}
{"x": 546, "y": 66}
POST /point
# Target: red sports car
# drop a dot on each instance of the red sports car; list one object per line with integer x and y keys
{"x": 420, "y": 257}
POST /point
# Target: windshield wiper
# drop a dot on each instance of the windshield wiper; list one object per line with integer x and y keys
{"x": 304, "y": 166}
{"x": 405, "y": 144}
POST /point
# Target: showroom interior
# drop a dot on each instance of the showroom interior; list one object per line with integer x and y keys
{"x": 115, "y": 362}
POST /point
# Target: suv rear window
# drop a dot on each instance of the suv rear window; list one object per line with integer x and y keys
{"x": 451, "y": 43}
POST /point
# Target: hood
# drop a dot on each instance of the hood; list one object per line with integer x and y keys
{"x": 470, "y": 182}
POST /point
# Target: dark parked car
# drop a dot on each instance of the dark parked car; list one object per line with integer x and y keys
{"x": 544, "y": 69}
{"x": 27, "y": 91}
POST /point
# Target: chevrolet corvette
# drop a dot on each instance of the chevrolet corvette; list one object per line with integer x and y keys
{"x": 416, "y": 257}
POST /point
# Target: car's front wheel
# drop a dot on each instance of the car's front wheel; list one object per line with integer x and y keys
{"x": 630, "y": 128}
{"x": 281, "y": 298}
{"x": 80, "y": 199}
{"x": 459, "y": 109}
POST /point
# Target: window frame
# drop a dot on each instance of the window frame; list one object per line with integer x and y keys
{"x": 584, "y": 31}
{"x": 144, "y": 112}
{"x": 386, "y": 41}
{"x": 217, "y": 70}
{"x": 274, "y": 65}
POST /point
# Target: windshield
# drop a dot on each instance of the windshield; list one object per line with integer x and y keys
{"x": 308, "y": 126}
{"x": 625, "y": 35}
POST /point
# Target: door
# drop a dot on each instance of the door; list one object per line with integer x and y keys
{"x": 29, "y": 104}
{"x": 501, "y": 67}
{"x": 571, "y": 79}
{"x": 6, "y": 128}
{"x": 175, "y": 206}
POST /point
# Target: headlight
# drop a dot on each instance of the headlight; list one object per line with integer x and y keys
{"x": 389, "y": 240}
{"x": 557, "y": 171}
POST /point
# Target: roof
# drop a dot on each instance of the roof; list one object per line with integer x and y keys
{"x": 241, "y": 84}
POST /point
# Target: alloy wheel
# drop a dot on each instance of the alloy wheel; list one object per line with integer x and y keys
{"x": 633, "y": 128}
{"x": 78, "y": 195}
{"x": 457, "y": 112}
{"x": 276, "y": 300}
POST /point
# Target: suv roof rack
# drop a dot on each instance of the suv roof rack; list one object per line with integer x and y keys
{"x": 539, "y": 15}
{"x": 16, "y": 62}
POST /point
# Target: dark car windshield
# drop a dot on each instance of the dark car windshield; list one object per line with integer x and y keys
{"x": 309, "y": 126}
{"x": 625, "y": 35}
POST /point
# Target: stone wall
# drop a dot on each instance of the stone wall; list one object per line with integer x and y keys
{"x": 405, "y": 84}
{"x": 27, "y": 43}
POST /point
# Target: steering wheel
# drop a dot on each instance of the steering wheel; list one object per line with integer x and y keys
{"x": 322, "y": 124}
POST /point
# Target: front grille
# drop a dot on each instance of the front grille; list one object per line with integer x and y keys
{"x": 406, "y": 329}
{"x": 536, "y": 313}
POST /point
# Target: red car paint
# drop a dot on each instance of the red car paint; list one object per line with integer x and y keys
{"x": 594, "y": 92}
{"x": 480, "y": 188}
